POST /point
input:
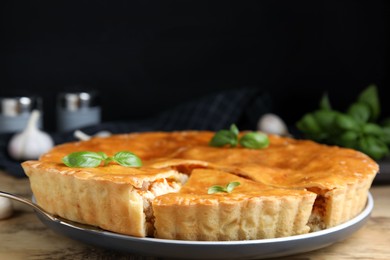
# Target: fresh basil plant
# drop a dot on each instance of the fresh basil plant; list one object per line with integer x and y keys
{"x": 357, "y": 128}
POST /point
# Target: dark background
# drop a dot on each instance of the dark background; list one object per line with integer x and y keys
{"x": 147, "y": 56}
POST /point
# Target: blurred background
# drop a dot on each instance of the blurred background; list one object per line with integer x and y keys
{"x": 148, "y": 56}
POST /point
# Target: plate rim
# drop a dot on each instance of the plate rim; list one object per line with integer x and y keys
{"x": 365, "y": 213}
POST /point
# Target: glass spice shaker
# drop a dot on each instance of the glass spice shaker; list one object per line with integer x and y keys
{"x": 76, "y": 110}
{"x": 15, "y": 112}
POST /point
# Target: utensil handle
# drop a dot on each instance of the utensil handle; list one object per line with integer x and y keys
{"x": 29, "y": 203}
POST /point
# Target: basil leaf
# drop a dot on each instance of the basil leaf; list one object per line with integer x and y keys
{"x": 83, "y": 159}
{"x": 254, "y": 140}
{"x": 91, "y": 159}
{"x": 308, "y": 124}
{"x": 347, "y": 139}
{"x": 373, "y": 129}
{"x": 360, "y": 111}
{"x": 127, "y": 159}
{"x": 346, "y": 122}
{"x": 231, "y": 186}
{"x": 224, "y": 137}
{"x": 325, "y": 119}
{"x": 215, "y": 189}
{"x": 324, "y": 103}
{"x": 234, "y": 130}
{"x": 103, "y": 155}
{"x": 369, "y": 96}
{"x": 386, "y": 135}
{"x": 373, "y": 147}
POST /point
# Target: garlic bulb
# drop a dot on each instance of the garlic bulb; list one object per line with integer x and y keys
{"x": 272, "y": 124}
{"x": 31, "y": 142}
{"x": 6, "y": 208}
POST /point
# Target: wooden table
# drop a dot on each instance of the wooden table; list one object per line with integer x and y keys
{"x": 23, "y": 236}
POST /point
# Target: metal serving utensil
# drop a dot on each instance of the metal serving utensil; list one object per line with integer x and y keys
{"x": 29, "y": 203}
{"x": 49, "y": 216}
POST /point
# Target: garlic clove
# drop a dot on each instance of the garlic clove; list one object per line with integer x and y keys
{"x": 103, "y": 133}
{"x": 84, "y": 137}
{"x": 272, "y": 124}
{"x": 6, "y": 208}
{"x": 31, "y": 143}
{"x": 81, "y": 135}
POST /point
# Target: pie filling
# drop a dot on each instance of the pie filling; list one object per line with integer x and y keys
{"x": 151, "y": 190}
{"x": 317, "y": 217}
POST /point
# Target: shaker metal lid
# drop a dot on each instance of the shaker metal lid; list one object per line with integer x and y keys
{"x": 75, "y": 100}
{"x": 14, "y": 106}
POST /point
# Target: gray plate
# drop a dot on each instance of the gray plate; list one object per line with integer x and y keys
{"x": 248, "y": 249}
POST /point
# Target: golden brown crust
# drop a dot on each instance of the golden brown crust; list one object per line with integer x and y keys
{"x": 288, "y": 168}
{"x": 252, "y": 211}
{"x": 110, "y": 197}
{"x": 285, "y": 162}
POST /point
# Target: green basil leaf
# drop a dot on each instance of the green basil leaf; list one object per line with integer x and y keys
{"x": 127, "y": 159}
{"x": 216, "y": 189}
{"x": 254, "y": 140}
{"x": 372, "y": 129}
{"x": 83, "y": 159}
{"x": 347, "y": 122}
{"x": 347, "y": 139}
{"x": 231, "y": 186}
{"x": 224, "y": 137}
{"x": 228, "y": 189}
{"x": 386, "y": 135}
{"x": 360, "y": 111}
{"x": 325, "y": 119}
{"x": 325, "y": 103}
{"x": 373, "y": 147}
{"x": 102, "y": 155}
{"x": 308, "y": 124}
{"x": 369, "y": 96}
{"x": 234, "y": 130}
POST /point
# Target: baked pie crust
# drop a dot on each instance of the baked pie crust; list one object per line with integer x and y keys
{"x": 292, "y": 187}
{"x": 252, "y": 211}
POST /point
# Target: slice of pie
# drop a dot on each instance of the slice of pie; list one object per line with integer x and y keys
{"x": 340, "y": 177}
{"x": 252, "y": 211}
{"x": 113, "y": 197}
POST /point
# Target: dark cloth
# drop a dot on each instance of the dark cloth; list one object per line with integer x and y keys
{"x": 216, "y": 111}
